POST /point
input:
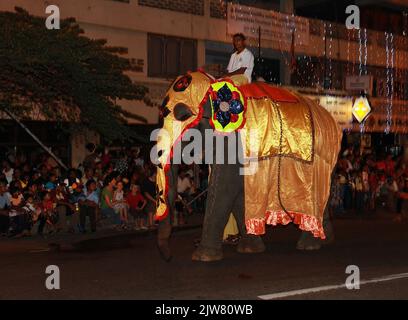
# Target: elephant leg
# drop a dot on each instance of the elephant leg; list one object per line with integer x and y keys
{"x": 308, "y": 242}
{"x": 224, "y": 187}
{"x": 248, "y": 243}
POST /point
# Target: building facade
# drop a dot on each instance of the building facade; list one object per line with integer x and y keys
{"x": 167, "y": 38}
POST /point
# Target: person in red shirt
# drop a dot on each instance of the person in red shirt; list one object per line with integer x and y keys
{"x": 373, "y": 181}
{"x": 389, "y": 166}
{"x": 381, "y": 165}
{"x": 136, "y": 203}
{"x": 48, "y": 215}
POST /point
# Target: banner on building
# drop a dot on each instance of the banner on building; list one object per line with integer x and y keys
{"x": 275, "y": 26}
{"x": 360, "y": 83}
{"x": 339, "y": 107}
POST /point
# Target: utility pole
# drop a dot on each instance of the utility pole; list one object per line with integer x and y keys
{"x": 52, "y": 154}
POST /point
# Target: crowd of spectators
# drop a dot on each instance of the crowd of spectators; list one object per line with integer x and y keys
{"x": 363, "y": 184}
{"x": 118, "y": 190}
{"x": 115, "y": 189}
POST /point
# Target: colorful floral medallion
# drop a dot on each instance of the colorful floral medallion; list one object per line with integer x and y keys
{"x": 228, "y": 107}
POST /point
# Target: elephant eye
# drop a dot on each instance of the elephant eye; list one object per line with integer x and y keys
{"x": 182, "y": 83}
{"x": 182, "y": 112}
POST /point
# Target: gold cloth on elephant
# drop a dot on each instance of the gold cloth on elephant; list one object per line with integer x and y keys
{"x": 295, "y": 188}
{"x": 276, "y": 124}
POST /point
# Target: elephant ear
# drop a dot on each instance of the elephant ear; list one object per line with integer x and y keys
{"x": 228, "y": 106}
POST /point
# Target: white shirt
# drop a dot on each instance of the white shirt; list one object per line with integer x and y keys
{"x": 9, "y": 175}
{"x": 183, "y": 184}
{"x": 245, "y": 59}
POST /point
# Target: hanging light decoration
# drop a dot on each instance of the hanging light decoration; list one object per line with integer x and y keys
{"x": 330, "y": 56}
{"x": 390, "y": 54}
{"x": 360, "y": 111}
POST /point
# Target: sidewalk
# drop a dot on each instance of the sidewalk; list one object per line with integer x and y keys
{"x": 107, "y": 236}
{"x": 68, "y": 241}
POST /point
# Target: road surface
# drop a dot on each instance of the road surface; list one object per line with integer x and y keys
{"x": 128, "y": 266}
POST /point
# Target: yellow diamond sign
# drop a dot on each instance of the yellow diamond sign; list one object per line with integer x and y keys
{"x": 361, "y": 109}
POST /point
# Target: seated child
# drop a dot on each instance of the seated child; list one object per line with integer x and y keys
{"x": 49, "y": 216}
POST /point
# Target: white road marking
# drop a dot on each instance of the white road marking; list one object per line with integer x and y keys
{"x": 327, "y": 288}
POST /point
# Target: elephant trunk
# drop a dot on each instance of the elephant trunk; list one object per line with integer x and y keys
{"x": 165, "y": 225}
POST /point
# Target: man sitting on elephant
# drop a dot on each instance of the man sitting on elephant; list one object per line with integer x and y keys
{"x": 241, "y": 63}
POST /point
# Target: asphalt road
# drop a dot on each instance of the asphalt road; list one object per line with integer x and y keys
{"x": 128, "y": 266}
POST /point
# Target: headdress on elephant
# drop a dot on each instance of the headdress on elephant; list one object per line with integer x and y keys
{"x": 183, "y": 108}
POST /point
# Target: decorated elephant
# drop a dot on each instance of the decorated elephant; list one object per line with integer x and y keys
{"x": 288, "y": 145}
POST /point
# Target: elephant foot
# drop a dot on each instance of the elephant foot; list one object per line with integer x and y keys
{"x": 164, "y": 250}
{"x": 207, "y": 255}
{"x": 308, "y": 242}
{"x": 251, "y": 245}
{"x": 308, "y": 247}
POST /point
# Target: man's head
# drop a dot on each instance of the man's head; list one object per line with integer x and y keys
{"x": 238, "y": 41}
{"x": 33, "y": 187}
{"x": 3, "y": 188}
{"x": 47, "y": 196}
{"x": 44, "y": 170}
{"x": 17, "y": 174}
{"x": 119, "y": 185}
{"x": 6, "y": 165}
{"x": 89, "y": 173}
{"x": 134, "y": 188}
{"x": 152, "y": 175}
{"x": 110, "y": 180}
{"x": 91, "y": 185}
{"x": 72, "y": 174}
{"x": 29, "y": 197}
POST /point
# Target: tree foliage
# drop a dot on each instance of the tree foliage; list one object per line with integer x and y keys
{"x": 65, "y": 75}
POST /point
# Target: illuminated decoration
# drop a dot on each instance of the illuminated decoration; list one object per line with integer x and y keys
{"x": 330, "y": 56}
{"x": 360, "y": 53}
{"x": 390, "y": 54}
{"x": 365, "y": 51}
{"x": 228, "y": 106}
{"x": 361, "y": 109}
{"x": 362, "y": 45}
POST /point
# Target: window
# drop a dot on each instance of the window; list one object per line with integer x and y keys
{"x": 169, "y": 57}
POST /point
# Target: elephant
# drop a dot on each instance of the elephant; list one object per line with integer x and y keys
{"x": 285, "y": 165}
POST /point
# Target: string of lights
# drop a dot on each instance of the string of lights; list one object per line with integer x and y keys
{"x": 389, "y": 49}
{"x": 330, "y": 55}
{"x": 360, "y": 53}
{"x": 365, "y": 51}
